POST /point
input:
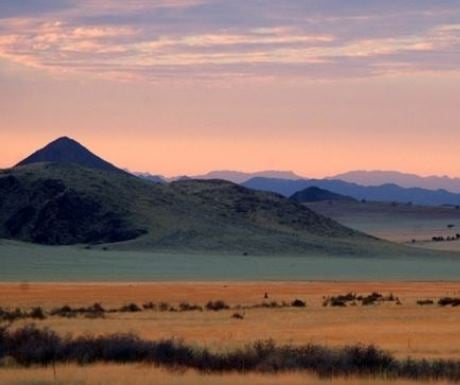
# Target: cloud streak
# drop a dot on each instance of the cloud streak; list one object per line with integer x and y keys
{"x": 160, "y": 40}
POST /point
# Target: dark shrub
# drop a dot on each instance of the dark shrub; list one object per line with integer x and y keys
{"x": 149, "y": 306}
{"x": 337, "y": 302}
{"x": 448, "y": 301}
{"x": 298, "y": 303}
{"x": 185, "y": 306}
{"x": 37, "y": 313}
{"x": 237, "y": 316}
{"x": 12, "y": 316}
{"x": 371, "y": 299}
{"x": 390, "y": 298}
{"x": 423, "y": 302}
{"x": 130, "y": 308}
{"x": 95, "y": 308}
{"x": 217, "y": 305}
{"x": 268, "y": 305}
{"x": 94, "y": 311}
{"x": 30, "y": 345}
{"x": 64, "y": 311}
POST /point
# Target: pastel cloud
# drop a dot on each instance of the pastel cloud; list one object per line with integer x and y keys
{"x": 85, "y": 38}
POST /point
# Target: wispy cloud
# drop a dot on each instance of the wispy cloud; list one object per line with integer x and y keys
{"x": 154, "y": 40}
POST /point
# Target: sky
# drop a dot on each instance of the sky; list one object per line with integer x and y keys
{"x": 178, "y": 87}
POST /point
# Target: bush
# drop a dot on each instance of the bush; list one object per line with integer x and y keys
{"x": 130, "y": 308}
{"x": 217, "y": 305}
{"x": 149, "y": 306}
{"x": 266, "y": 305}
{"x": 337, "y": 302}
{"x": 164, "y": 306}
{"x": 371, "y": 299}
{"x": 298, "y": 303}
{"x": 11, "y": 316}
{"x": 449, "y": 301}
{"x": 185, "y": 306}
{"x": 423, "y": 302}
{"x": 94, "y": 311}
{"x": 237, "y": 316}
{"x": 37, "y": 313}
{"x": 32, "y": 346}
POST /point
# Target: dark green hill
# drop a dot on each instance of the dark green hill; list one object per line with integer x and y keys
{"x": 66, "y": 150}
{"x": 316, "y": 194}
{"x": 61, "y": 203}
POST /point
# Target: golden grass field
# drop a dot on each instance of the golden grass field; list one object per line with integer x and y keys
{"x": 405, "y": 330}
{"x": 145, "y": 375}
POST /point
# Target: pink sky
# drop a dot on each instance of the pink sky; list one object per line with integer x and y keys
{"x": 317, "y": 88}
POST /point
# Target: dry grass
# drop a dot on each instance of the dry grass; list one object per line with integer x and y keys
{"x": 146, "y": 375}
{"x": 406, "y": 330}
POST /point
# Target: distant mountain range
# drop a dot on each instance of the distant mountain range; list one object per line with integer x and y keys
{"x": 241, "y": 177}
{"x": 386, "y": 192}
{"x": 377, "y": 178}
{"x": 228, "y": 175}
{"x": 369, "y": 185}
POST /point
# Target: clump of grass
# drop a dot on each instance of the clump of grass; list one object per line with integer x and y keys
{"x": 217, "y": 305}
{"x": 238, "y": 315}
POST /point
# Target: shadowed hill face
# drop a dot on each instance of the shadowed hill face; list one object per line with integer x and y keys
{"x": 66, "y": 150}
{"x": 55, "y": 203}
{"x": 316, "y": 194}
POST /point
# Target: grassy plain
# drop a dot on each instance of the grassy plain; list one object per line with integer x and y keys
{"x": 147, "y": 375}
{"x": 404, "y": 330}
{"x": 400, "y": 223}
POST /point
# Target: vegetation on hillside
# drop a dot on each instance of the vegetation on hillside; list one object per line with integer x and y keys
{"x": 55, "y": 203}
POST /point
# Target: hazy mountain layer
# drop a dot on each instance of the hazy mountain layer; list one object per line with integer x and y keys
{"x": 377, "y": 178}
{"x": 384, "y": 193}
